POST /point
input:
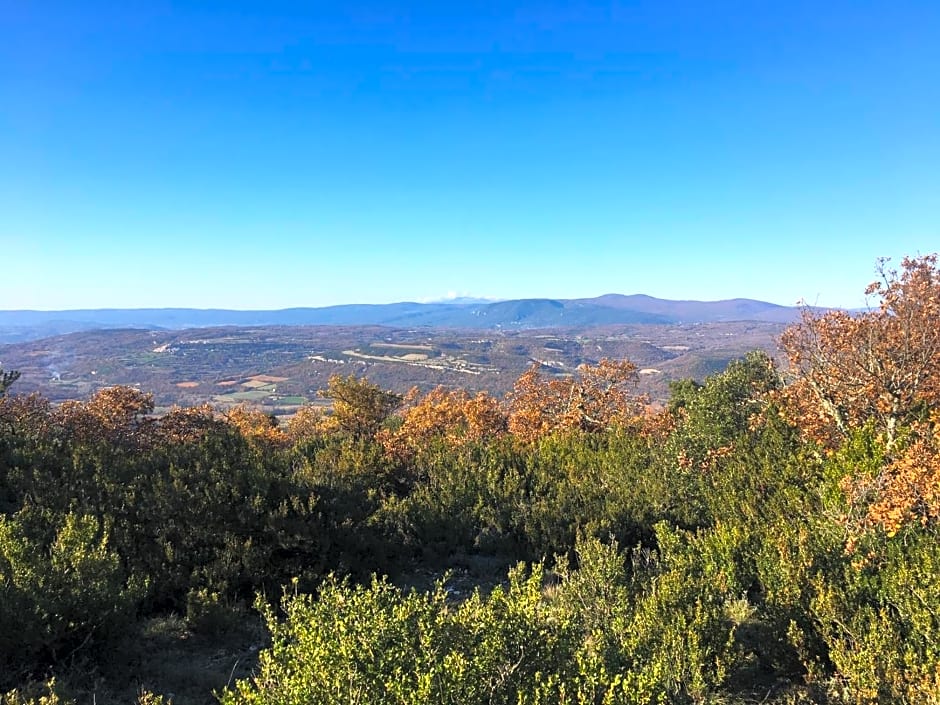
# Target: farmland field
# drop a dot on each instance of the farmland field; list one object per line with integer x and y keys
{"x": 277, "y": 367}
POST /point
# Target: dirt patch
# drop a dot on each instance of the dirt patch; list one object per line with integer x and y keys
{"x": 187, "y": 385}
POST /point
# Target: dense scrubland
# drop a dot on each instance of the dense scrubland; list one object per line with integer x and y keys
{"x": 768, "y": 536}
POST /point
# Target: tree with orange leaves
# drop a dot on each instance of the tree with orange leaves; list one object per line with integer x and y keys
{"x": 453, "y": 416}
{"x": 255, "y": 425}
{"x": 878, "y": 370}
{"x": 115, "y": 414}
{"x": 880, "y": 367}
{"x": 307, "y": 423}
{"x": 187, "y": 424}
{"x": 594, "y": 398}
{"x": 908, "y": 490}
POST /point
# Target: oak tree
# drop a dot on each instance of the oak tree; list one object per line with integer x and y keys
{"x": 592, "y": 399}
{"x": 113, "y": 414}
{"x": 879, "y": 371}
{"x": 881, "y": 366}
{"x": 256, "y": 426}
{"x": 453, "y": 416}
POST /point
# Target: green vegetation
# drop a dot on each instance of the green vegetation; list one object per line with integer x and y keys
{"x": 253, "y": 395}
{"x": 765, "y": 538}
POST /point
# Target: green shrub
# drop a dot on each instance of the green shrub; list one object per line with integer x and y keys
{"x": 598, "y": 634}
{"x": 63, "y": 591}
{"x": 376, "y": 645}
{"x": 880, "y": 619}
{"x": 661, "y": 636}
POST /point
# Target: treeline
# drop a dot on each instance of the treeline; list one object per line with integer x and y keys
{"x": 769, "y": 536}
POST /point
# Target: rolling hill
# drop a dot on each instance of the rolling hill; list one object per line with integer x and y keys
{"x": 521, "y": 314}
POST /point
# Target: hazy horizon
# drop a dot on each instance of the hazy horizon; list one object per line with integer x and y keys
{"x": 479, "y": 301}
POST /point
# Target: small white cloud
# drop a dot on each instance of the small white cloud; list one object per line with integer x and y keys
{"x": 457, "y": 296}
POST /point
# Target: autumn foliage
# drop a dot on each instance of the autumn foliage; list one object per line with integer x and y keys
{"x": 881, "y": 366}
{"x": 878, "y": 370}
{"x": 452, "y": 417}
{"x": 907, "y": 490}
{"x": 189, "y": 424}
{"x": 256, "y": 426}
{"x": 112, "y": 414}
{"x": 594, "y": 398}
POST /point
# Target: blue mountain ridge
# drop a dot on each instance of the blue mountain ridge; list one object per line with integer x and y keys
{"x": 520, "y": 314}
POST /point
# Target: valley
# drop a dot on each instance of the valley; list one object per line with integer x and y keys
{"x": 280, "y": 368}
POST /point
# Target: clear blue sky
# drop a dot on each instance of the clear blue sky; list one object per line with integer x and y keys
{"x": 274, "y": 154}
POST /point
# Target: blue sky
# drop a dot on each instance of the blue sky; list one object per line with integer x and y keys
{"x": 275, "y": 154}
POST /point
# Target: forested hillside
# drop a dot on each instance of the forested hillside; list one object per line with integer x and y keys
{"x": 770, "y": 536}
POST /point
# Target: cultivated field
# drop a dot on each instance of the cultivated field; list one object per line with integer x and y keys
{"x": 281, "y": 368}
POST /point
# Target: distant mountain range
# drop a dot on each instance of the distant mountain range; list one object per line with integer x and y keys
{"x": 522, "y": 314}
